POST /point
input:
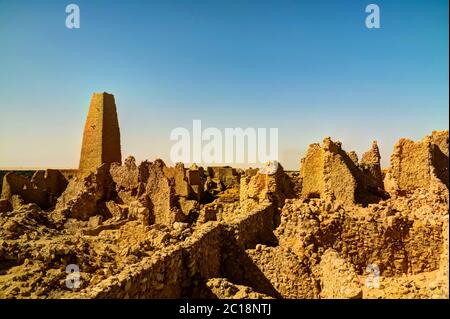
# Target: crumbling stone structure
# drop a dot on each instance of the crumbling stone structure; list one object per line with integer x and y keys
{"x": 162, "y": 195}
{"x": 222, "y": 177}
{"x": 129, "y": 179}
{"x": 84, "y": 194}
{"x": 152, "y": 231}
{"x": 330, "y": 173}
{"x": 14, "y": 184}
{"x": 271, "y": 184}
{"x": 339, "y": 279}
{"x": 371, "y": 168}
{"x": 440, "y": 155}
{"x": 42, "y": 189}
{"x": 171, "y": 194}
{"x": 418, "y": 164}
{"x": 182, "y": 270}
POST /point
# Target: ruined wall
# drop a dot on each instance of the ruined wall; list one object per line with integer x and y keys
{"x": 340, "y": 183}
{"x": 161, "y": 192}
{"x": 410, "y": 242}
{"x": 418, "y": 164}
{"x": 330, "y": 173}
{"x": 51, "y": 181}
{"x": 371, "y": 167}
{"x": 101, "y": 137}
{"x": 127, "y": 180}
{"x": 84, "y": 194}
{"x": 423, "y": 246}
{"x": 196, "y": 178}
{"x": 270, "y": 183}
{"x": 43, "y": 188}
{"x": 444, "y": 262}
{"x": 170, "y": 193}
{"x": 278, "y": 272}
{"x": 14, "y": 184}
{"x": 178, "y": 175}
{"x": 182, "y": 270}
{"x": 228, "y": 176}
{"x": 20, "y": 172}
{"x": 251, "y": 257}
{"x": 188, "y": 183}
{"x": 338, "y": 278}
{"x": 440, "y": 138}
{"x": 411, "y": 164}
{"x": 325, "y": 173}
{"x": 311, "y": 172}
{"x": 253, "y": 228}
{"x": 440, "y": 155}
{"x": 172, "y": 272}
{"x": 158, "y": 276}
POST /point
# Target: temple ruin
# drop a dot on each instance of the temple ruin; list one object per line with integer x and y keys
{"x": 148, "y": 230}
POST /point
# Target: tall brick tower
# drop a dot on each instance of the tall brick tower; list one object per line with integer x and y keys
{"x": 101, "y": 137}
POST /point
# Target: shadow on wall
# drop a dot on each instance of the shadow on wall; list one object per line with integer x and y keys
{"x": 240, "y": 269}
{"x": 440, "y": 162}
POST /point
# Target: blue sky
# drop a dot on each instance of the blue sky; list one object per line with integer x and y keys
{"x": 310, "y": 68}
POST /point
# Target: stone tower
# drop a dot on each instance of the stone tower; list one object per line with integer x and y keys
{"x": 101, "y": 137}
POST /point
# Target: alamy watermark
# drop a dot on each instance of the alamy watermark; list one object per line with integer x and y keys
{"x": 73, "y": 17}
{"x": 73, "y": 280}
{"x": 233, "y": 146}
{"x": 373, "y": 277}
{"x": 373, "y": 19}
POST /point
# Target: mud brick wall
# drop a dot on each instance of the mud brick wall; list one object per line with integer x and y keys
{"x": 253, "y": 228}
{"x": 181, "y": 270}
{"x": 411, "y": 162}
{"x": 244, "y": 233}
{"x": 201, "y": 257}
{"x": 23, "y": 173}
{"x": 14, "y": 184}
{"x": 395, "y": 243}
{"x": 170, "y": 273}
{"x": 279, "y": 273}
{"x": 311, "y": 172}
{"x": 424, "y": 247}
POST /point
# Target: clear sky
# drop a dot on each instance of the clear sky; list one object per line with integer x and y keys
{"x": 310, "y": 68}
